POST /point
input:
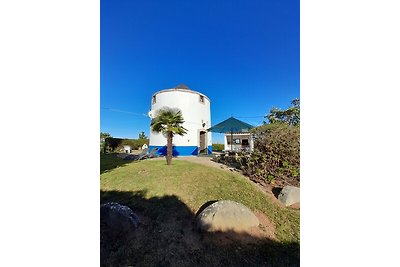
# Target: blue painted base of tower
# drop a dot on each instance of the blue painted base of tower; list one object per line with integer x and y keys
{"x": 180, "y": 150}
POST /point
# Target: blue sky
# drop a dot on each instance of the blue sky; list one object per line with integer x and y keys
{"x": 244, "y": 55}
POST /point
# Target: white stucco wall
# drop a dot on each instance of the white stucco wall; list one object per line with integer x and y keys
{"x": 237, "y": 147}
{"x": 194, "y": 113}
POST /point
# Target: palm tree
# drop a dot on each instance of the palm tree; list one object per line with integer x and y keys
{"x": 168, "y": 121}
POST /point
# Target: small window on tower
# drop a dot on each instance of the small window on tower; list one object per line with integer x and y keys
{"x": 154, "y": 99}
{"x": 202, "y": 99}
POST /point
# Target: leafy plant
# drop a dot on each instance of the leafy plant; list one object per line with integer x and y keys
{"x": 168, "y": 121}
{"x": 112, "y": 143}
{"x": 290, "y": 116}
{"x": 104, "y": 135}
{"x": 142, "y": 136}
{"x": 276, "y": 155}
{"x": 217, "y": 147}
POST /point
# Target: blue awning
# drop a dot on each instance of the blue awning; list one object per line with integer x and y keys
{"x": 231, "y": 125}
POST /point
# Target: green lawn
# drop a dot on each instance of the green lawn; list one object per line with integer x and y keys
{"x": 153, "y": 188}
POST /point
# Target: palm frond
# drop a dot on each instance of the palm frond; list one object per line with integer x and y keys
{"x": 168, "y": 120}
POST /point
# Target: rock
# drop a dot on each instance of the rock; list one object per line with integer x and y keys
{"x": 117, "y": 220}
{"x": 289, "y": 195}
{"x": 226, "y": 215}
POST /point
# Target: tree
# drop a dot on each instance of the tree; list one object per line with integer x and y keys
{"x": 290, "y": 116}
{"x": 142, "y": 136}
{"x": 103, "y": 143}
{"x": 113, "y": 143}
{"x": 168, "y": 121}
{"x": 105, "y": 135}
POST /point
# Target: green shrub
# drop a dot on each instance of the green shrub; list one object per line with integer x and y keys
{"x": 134, "y": 143}
{"x": 117, "y": 144}
{"x": 217, "y": 147}
{"x": 112, "y": 143}
{"x": 276, "y": 155}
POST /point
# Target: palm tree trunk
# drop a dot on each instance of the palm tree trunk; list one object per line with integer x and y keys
{"x": 169, "y": 148}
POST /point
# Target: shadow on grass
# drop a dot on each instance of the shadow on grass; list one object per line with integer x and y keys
{"x": 167, "y": 237}
{"x": 111, "y": 161}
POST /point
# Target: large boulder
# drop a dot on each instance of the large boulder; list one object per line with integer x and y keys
{"x": 226, "y": 215}
{"x": 117, "y": 220}
{"x": 289, "y": 195}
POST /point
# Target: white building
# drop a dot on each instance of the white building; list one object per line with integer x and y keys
{"x": 127, "y": 149}
{"x": 241, "y": 142}
{"x": 195, "y": 108}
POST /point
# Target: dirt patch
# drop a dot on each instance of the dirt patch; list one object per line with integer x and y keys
{"x": 266, "y": 226}
{"x": 295, "y": 206}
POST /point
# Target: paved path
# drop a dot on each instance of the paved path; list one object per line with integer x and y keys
{"x": 206, "y": 161}
{"x": 201, "y": 160}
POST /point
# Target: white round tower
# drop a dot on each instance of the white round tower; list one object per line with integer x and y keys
{"x": 195, "y": 108}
